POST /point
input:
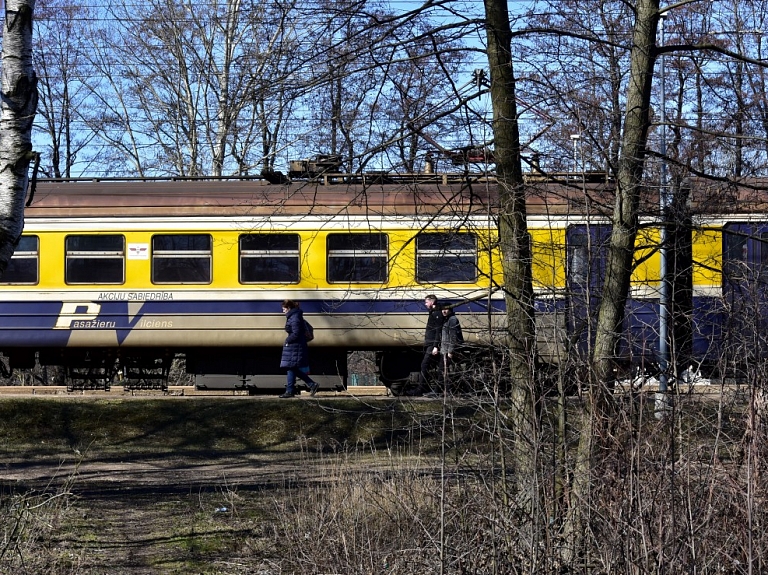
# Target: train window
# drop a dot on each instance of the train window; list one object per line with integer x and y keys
{"x": 23, "y": 267}
{"x": 578, "y": 258}
{"x": 763, "y": 253}
{"x": 181, "y": 259}
{"x": 269, "y": 258}
{"x": 357, "y": 258}
{"x": 736, "y": 251}
{"x": 446, "y": 258}
{"x": 95, "y": 259}
{"x": 587, "y": 254}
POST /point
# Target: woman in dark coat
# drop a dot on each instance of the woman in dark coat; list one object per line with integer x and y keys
{"x": 295, "y": 356}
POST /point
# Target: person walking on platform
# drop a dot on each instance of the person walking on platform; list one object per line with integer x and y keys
{"x": 432, "y": 337}
{"x": 295, "y": 356}
{"x": 451, "y": 339}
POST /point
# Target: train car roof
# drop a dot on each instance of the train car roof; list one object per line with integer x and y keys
{"x": 95, "y": 198}
{"x": 406, "y": 196}
{"x": 743, "y": 196}
{"x": 418, "y": 194}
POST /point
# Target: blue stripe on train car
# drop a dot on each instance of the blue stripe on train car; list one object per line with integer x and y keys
{"x": 43, "y": 314}
{"x": 49, "y": 323}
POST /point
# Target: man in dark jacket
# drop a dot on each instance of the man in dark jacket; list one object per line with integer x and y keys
{"x": 295, "y": 356}
{"x": 431, "y": 344}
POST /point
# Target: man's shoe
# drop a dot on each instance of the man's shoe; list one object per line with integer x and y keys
{"x": 285, "y": 395}
{"x": 313, "y": 389}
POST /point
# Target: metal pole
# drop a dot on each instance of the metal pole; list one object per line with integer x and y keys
{"x": 664, "y": 292}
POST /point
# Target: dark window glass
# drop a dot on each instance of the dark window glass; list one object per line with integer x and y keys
{"x": 357, "y": 258}
{"x": 763, "y": 250}
{"x": 735, "y": 264}
{"x": 23, "y": 267}
{"x": 269, "y": 258}
{"x": 96, "y": 243}
{"x": 587, "y": 253}
{"x": 181, "y": 259}
{"x": 446, "y": 258}
{"x": 182, "y": 243}
{"x": 95, "y": 259}
{"x": 578, "y": 258}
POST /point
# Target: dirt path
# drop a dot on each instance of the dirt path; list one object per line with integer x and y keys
{"x": 202, "y": 514}
{"x": 133, "y": 486}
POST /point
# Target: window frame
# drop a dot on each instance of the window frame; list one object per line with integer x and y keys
{"x": 447, "y": 250}
{"x": 181, "y": 254}
{"x": 87, "y": 254}
{"x": 266, "y": 253}
{"x": 20, "y": 253}
{"x": 356, "y": 253}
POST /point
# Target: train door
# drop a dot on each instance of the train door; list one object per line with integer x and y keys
{"x": 587, "y": 253}
{"x": 745, "y": 290}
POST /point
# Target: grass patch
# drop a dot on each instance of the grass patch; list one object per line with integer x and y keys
{"x": 202, "y": 424}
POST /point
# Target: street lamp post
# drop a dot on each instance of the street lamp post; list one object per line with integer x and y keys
{"x": 575, "y": 139}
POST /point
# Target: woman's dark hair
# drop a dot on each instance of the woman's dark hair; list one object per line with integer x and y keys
{"x": 289, "y": 304}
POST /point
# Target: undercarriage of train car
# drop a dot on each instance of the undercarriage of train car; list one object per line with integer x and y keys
{"x": 82, "y": 369}
{"x": 256, "y": 370}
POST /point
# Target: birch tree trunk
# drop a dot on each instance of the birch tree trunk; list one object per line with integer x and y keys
{"x": 19, "y": 104}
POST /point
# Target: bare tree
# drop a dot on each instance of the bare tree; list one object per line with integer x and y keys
{"x": 578, "y": 75}
{"x": 59, "y": 57}
{"x": 515, "y": 247}
{"x": 192, "y": 89}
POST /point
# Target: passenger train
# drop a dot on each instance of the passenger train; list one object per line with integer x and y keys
{"x": 113, "y": 279}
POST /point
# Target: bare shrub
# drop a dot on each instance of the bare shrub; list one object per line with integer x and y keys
{"x": 677, "y": 495}
{"x": 29, "y": 524}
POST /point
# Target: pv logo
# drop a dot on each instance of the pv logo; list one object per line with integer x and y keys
{"x": 76, "y": 311}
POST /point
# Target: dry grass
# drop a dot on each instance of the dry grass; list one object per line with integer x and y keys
{"x": 225, "y": 486}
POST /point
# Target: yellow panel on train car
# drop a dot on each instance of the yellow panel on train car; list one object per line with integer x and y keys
{"x": 487, "y": 254}
{"x": 707, "y": 259}
{"x": 647, "y": 261}
{"x": 138, "y": 260}
{"x": 225, "y": 260}
{"x": 548, "y": 253}
{"x": 51, "y": 264}
{"x": 402, "y": 254}
{"x": 312, "y": 250}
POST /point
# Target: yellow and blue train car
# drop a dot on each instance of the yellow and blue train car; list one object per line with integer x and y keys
{"x": 116, "y": 278}
{"x": 133, "y": 273}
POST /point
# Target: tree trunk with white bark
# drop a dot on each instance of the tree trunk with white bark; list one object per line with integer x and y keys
{"x": 19, "y": 104}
